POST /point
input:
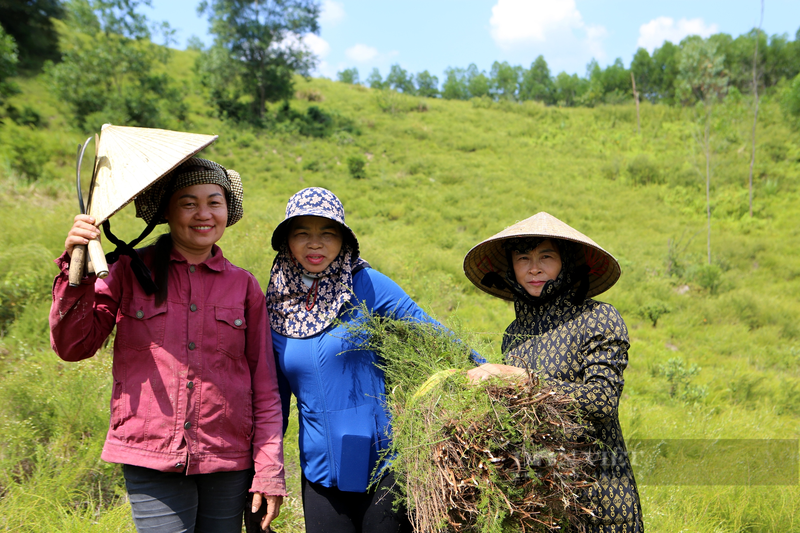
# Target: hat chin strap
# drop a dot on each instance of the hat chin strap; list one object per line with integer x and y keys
{"x": 140, "y": 270}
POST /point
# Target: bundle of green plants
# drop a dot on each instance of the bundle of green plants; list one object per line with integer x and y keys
{"x": 504, "y": 455}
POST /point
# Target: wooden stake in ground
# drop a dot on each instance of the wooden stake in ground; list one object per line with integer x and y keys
{"x": 636, "y": 99}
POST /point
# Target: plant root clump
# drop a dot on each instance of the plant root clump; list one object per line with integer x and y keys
{"x": 507, "y": 462}
{"x": 505, "y": 455}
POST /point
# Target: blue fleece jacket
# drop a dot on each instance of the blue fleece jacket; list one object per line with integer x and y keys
{"x": 340, "y": 391}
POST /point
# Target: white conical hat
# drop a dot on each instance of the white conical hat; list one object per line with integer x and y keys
{"x": 490, "y": 255}
{"x": 131, "y": 159}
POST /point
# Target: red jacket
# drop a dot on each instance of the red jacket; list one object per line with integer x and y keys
{"x": 194, "y": 378}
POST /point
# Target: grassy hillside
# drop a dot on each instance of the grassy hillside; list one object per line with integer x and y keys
{"x": 715, "y": 348}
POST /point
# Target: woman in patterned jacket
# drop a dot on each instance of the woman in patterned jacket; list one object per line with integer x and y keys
{"x": 550, "y": 271}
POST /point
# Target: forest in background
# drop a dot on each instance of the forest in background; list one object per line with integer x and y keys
{"x": 715, "y": 342}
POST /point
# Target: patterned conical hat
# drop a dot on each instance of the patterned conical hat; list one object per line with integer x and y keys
{"x": 490, "y": 255}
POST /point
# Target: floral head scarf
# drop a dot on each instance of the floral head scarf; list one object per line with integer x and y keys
{"x": 295, "y": 308}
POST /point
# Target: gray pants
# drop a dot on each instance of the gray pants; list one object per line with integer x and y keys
{"x": 170, "y": 502}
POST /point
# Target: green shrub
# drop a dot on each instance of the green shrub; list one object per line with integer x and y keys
{"x": 357, "y": 165}
{"x": 679, "y": 376}
{"x": 643, "y": 170}
{"x": 653, "y": 311}
{"x": 709, "y": 277}
{"x": 610, "y": 169}
{"x": 27, "y": 151}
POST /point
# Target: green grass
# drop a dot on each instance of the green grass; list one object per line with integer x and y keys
{"x": 440, "y": 177}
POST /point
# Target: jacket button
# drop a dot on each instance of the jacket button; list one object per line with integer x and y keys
{"x": 237, "y": 322}
{"x": 191, "y": 268}
{"x": 140, "y": 314}
{"x": 191, "y": 346}
{"x": 190, "y": 385}
{"x": 187, "y": 425}
{"x": 193, "y": 307}
{"x": 179, "y": 465}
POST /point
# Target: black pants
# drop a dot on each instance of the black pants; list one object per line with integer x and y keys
{"x": 330, "y": 510}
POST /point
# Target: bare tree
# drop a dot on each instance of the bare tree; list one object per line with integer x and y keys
{"x": 636, "y": 99}
{"x": 703, "y": 81}
{"x": 755, "y": 106}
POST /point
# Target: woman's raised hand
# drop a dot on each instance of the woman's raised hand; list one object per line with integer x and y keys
{"x": 83, "y": 230}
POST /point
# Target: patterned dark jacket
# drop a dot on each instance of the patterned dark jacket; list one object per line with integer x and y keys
{"x": 583, "y": 349}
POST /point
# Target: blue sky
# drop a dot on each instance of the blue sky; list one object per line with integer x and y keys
{"x": 432, "y": 35}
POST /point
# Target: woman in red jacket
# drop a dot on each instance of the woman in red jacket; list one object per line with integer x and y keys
{"x": 195, "y": 404}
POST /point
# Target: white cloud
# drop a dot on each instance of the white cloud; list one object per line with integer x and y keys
{"x": 523, "y": 22}
{"x": 361, "y": 53}
{"x": 318, "y": 46}
{"x": 553, "y": 28}
{"x": 594, "y": 41}
{"x": 326, "y": 70}
{"x": 653, "y": 34}
{"x": 332, "y": 13}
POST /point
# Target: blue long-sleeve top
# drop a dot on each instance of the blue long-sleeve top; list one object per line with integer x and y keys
{"x": 340, "y": 390}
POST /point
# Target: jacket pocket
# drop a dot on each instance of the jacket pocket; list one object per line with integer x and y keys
{"x": 230, "y": 331}
{"x": 142, "y": 324}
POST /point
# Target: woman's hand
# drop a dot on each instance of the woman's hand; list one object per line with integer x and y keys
{"x": 273, "y": 508}
{"x": 488, "y": 370}
{"x": 81, "y": 232}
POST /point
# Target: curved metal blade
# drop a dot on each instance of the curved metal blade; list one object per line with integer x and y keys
{"x": 81, "y": 151}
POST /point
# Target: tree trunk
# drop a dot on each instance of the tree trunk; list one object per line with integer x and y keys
{"x": 636, "y": 99}
{"x": 707, "y": 146}
{"x": 755, "y": 109}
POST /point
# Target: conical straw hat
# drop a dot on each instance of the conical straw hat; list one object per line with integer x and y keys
{"x": 131, "y": 159}
{"x": 490, "y": 255}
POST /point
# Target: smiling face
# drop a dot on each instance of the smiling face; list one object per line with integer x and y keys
{"x": 197, "y": 216}
{"x": 315, "y": 242}
{"x": 534, "y": 268}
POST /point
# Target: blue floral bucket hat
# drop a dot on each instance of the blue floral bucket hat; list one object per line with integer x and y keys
{"x": 301, "y": 304}
{"x": 314, "y": 202}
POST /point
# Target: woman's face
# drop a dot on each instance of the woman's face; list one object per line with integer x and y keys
{"x": 197, "y": 216}
{"x": 315, "y": 242}
{"x": 533, "y": 269}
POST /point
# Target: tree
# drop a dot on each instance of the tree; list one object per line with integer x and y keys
{"x": 264, "y": 40}
{"x": 611, "y": 85}
{"x": 374, "y": 80}
{"x": 8, "y": 65}
{"x": 455, "y": 84}
{"x": 348, "y": 75}
{"x": 478, "y": 84}
{"x": 30, "y": 24}
{"x": 643, "y": 70}
{"x": 537, "y": 84}
{"x": 108, "y": 67}
{"x": 427, "y": 85}
{"x": 703, "y": 80}
{"x": 791, "y": 98}
{"x": 400, "y": 80}
{"x": 505, "y": 80}
{"x": 569, "y": 89}
{"x": 666, "y": 61}
{"x": 595, "y": 89}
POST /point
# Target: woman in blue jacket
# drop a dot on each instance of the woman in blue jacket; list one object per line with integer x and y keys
{"x": 317, "y": 278}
